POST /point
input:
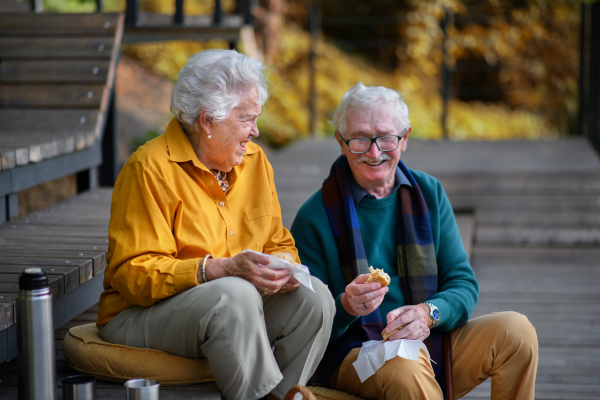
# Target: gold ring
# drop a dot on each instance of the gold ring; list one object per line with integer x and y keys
{"x": 266, "y": 292}
{"x": 283, "y": 289}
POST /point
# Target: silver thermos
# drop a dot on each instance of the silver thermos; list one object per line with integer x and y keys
{"x": 35, "y": 337}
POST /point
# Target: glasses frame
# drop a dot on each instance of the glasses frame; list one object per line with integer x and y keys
{"x": 373, "y": 140}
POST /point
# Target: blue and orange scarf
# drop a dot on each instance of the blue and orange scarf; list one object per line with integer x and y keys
{"x": 416, "y": 262}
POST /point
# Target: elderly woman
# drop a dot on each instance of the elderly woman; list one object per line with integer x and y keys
{"x": 185, "y": 207}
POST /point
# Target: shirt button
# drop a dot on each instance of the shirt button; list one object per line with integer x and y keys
{"x": 222, "y": 203}
{"x": 230, "y": 233}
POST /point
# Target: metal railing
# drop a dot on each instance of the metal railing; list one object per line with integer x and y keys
{"x": 243, "y": 7}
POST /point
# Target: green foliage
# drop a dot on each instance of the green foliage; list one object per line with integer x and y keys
{"x": 82, "y": 6}
{"x": 139, "y": 141}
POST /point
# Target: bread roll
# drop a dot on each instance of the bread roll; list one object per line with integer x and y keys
{"x": 386, "y": 336}
{"x": 285, "y": 256}
{"x": 377, "y": 275}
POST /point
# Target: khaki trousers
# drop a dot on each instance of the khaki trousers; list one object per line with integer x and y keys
{"x": 501, "y": 346}
{"x": 255, "y": 345}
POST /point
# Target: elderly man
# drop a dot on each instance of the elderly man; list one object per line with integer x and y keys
{"x": 185, "y": 207}
{"x": 373, "y": 210}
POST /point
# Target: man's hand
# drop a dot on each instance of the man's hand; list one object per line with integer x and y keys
{"x": 417, "y": 322}
{"x": 251, "y": 267}
{"x": 363, "y": 298}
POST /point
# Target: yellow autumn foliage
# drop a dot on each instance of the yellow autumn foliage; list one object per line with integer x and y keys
{"x": 286, "y": 116}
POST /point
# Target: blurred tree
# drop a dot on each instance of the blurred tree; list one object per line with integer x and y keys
{"x": 523, "y": 53}
{"x": 268, "y": 18}
{"x": 514, "y": 63}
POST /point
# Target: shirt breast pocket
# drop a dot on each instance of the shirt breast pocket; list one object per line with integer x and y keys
{"x": 259, "y": 220}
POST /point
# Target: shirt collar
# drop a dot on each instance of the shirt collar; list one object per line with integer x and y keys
{"x": 181, "y": 150}
{"x": 358, "y": 193}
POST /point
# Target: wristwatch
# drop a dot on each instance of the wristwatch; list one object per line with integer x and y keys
{"x": 434, "y": 314}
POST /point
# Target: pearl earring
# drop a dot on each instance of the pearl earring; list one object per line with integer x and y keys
{"x": 209, "y": 136}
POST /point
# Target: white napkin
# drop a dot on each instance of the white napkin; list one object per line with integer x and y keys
{"x": 299, "y": 271}
{"x": 375, "y": 353}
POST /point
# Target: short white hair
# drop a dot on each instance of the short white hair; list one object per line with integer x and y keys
{"x": 216, "y": 81}
{"x": 369, "y": 97}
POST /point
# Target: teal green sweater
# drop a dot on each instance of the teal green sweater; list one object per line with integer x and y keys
{"x": 457, "y": 287}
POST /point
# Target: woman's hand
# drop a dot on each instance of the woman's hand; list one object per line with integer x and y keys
{"x": 290, "y": 286}
{"x": 251, "y": 267}
{"x": 417, "y": 322}
{"x": 362, "y": 298}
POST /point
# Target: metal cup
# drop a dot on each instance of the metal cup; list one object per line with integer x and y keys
{"x": 79, "y": 387}
{"x": 142, "y": 389}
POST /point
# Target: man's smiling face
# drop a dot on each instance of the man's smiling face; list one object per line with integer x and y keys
{"x": 373, "y": 168}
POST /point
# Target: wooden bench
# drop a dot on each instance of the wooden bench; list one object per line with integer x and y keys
{"x": 56, "y": 119}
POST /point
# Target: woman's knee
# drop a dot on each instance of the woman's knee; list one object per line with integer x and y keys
{"x": 317, "y": 306}
{"x": 233, "y": 294}
{"x": 324, "y": 299}
{"x": 313, "y": 310}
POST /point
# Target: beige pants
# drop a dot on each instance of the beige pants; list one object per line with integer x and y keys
{"x": 501, "y": 346}
{"x": 255, "y": 345}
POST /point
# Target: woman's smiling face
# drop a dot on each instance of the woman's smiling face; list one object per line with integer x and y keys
{"x": 227, "y": 145}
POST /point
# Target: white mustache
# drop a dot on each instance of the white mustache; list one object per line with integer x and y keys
{"x": 382, "y": 157}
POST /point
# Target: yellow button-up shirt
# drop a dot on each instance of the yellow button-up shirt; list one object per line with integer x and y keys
{"x": 168, "y": 212}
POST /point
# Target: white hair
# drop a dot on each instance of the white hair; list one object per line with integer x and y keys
{"x": 216, "y": 81}
{"x": 361, "y": 97}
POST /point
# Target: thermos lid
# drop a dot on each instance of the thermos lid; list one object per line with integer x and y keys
{"x": 32, "y": 279}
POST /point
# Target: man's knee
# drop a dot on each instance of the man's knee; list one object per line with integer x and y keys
{"x": 401, "y": 378}
{"x": 517, "y": 330}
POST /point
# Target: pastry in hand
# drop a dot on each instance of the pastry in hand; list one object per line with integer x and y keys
{"x": 386, "y": 336}
{"x": 377, "y": 275}
{"x": 284, "y": 256}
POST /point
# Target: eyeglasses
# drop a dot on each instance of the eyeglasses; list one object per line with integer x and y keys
{"x": 363, "y": 145}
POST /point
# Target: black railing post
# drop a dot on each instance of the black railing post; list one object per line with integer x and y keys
{"x": 9, "y": 209}
{"x": 131, "y": 14}
{"x": 98, "y": 5}
{"x": 109, "y": 168}
{"x": 218, "y": 16}
{"x": 178, "y": 16}
{"x": 583, "y": 71}
{"x": 446, "y": 75}
{"x": 314, "y": 28}
{"x": 593, "y": 127}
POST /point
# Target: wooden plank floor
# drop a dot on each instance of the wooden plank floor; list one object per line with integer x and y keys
{"x": 536, "y": 247}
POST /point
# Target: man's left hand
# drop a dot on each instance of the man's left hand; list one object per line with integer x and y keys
{"x": 417, "y": 321}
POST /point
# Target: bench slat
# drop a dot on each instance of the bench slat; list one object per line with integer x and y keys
{"x": 58, "y": 121}
{"x": 70, "y": 273}
{"x": 9, "y": 283}
{"x": 34, "y": 238}
{"x": 98, "y": 258}
{"x": 58, "y": 24}
{"x": 24, "y": 47}
{"x": 64, "y": 96}
{"x": 70, "y": 71}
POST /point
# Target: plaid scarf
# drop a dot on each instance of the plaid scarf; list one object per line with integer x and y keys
{"x": 417, "y": 266}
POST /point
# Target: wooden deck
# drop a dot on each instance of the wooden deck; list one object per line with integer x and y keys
{"x": 532, "y": 210}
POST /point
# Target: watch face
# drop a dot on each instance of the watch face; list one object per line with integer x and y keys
{"x": 436, "y": 314}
